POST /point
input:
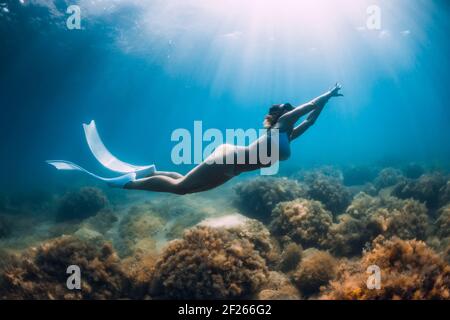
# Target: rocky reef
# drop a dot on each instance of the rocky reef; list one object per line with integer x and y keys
{"x": 302, "y": 221}
{"x": 409, "y": 270}
{"x": 317, "y": 269}
{"x": 40, "y": 273}
{"x": 358, "y": 175}
{"x": 257, "y": 197}
{"x": 209, "y": 263}
{"x": 442, "y": 223}
{"x": 326, "y": 185}
{"x": 310, "y": 236}
{"x": 137, "y": 231}
{"x": 81, "y": 204}
{"x": 367, "y": 217}
{"x": 388, "y": 177}
{"x": 426, "y": 189}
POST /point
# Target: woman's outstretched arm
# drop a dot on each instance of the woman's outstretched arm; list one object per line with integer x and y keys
{"x": 312, "y": 117}
{"x": 290, "y": 118}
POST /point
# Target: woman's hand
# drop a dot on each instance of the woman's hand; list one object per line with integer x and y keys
{"x": 334, "y": 92}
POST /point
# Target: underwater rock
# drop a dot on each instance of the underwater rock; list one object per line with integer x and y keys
{"x": 87, "y": 234}
{"x": 137, "y": 229}
{"x": 442, "y": 223}
{"x": 367, "y": 188}
{"x": 316, "y": 270}
{"x": 290, "y": 257}
{"x": 250, "y": 229}
{"x": 330, "y": 192}
{"x": 81, "y": 204}
{"x": 388, "y": 177}
{"x": 323, "y": 172}
{"x": 41, "y": 272}
{"x": 180, "y": 224}
{"x": 358, "y": 175}
{"x": 367, "y": 217}
{"x": 408, "y": 221}
{"x": 139, "y": 268}
{"x": 209, "y": 263}
{"x": 447, "y": 254}
{"x": 413, "y": 170}
{"x": 409, "y": 270}
{"x": 350, "y": 235}
{"x": 102, "y": 222}
{"x": 306, "y": 222}
{"x": 444, "y": 194}
{"x": 180, "y": 213}
{"x": 257, "y": 197}
{"x": 278, "y": 287}
{"x": 425, "y": 189}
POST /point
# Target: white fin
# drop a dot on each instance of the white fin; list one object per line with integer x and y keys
{"x": 105, "y": 157}
{"x": 113, "y": 182}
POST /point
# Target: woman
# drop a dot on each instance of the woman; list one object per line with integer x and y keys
{"x": 216, "y": 169}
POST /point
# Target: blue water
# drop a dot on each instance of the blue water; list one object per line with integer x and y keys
{"x": 144, "y": 69}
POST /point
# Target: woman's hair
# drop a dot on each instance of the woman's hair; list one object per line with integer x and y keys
{"x": 275, "y": 112}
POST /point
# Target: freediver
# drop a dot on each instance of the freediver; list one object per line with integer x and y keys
{"x": 215, "y": 170}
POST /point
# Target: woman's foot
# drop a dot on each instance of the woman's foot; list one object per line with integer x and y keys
{"x": 146, "y": 172}
{"x": 121, "y": 181}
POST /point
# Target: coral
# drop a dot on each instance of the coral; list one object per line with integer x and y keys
{"x": 208, "y": 263}
{"x": 306, "y": 222}
{"x": 290, "y": 257}
{"x": 425, "y": 189}
{"x": 278, "y": 287}
{"x": 388, "y": 177}
{"x": 358, "y": 175}
{"x": 334, "y": 196}
{"x": 81, "y": 204}
{"x": 409, "y": 270}
{"x": 41, "y": 273}
{"x": 136, "y": 230}
{"x": 442, "y": 224}
{"x": 257, "y": 197}
{"x": 316, "y": 270}
{"x": 367, "y": 217}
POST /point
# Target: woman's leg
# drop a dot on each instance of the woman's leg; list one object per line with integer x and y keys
{"x": 205, "y": 176}
{"x": 158, "y": 183}
{"x": 170, "y": 174}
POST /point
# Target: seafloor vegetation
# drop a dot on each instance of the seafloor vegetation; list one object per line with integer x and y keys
{"x": 311, "y": 235}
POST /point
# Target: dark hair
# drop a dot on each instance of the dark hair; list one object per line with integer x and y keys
{"x": 275, "y": 112}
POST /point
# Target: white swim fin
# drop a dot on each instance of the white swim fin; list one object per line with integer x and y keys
{"x": 105, "y": 157}
{"x": 117, "y": 182}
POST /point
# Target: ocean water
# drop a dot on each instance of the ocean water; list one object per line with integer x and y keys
{"x": 142, "y": 69}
